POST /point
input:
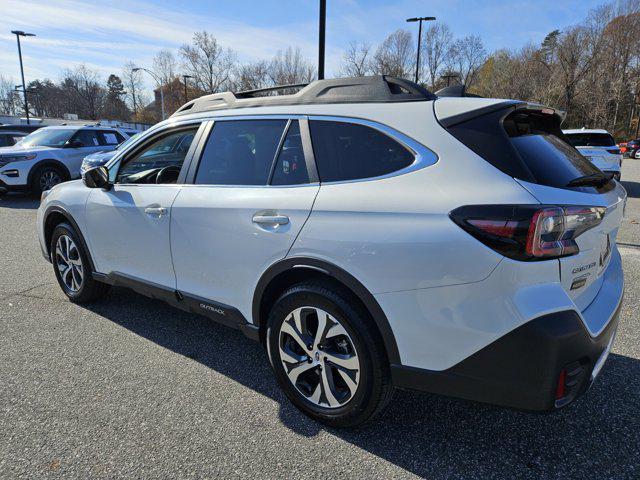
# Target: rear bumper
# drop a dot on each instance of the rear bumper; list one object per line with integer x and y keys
{"x": 521, "y": 369}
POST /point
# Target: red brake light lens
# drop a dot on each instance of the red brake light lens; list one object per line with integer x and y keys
{"x": 528, "y": 232}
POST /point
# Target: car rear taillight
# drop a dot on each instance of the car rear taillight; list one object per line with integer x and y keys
{"x": 614, "y": 151}
{"x": 528, "y": 232}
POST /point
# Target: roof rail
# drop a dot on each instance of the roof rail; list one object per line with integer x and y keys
{"x": 251, "y": 93}
{"x": 459, "y": 90}
{"x": 375, "y": 89}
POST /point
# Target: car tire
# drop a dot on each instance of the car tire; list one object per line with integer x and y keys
{"x": 72, "y": 267}
{"x": 311, "y": 380}
{"x": 46, "y": 177}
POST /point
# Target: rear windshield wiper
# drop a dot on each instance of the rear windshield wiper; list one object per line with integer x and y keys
{"x": 595, "y": 180}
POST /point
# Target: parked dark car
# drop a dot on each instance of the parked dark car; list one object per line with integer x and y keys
{"x": 632, "y": 148}
{"x": 21, "y": 128}
{"x": 8, "y": 138}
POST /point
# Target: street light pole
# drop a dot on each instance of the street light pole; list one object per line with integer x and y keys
{"x": 184, "y": 80}
{"x": 322, "y": 23}
{"x": 18, "y": 34}
{"x": 420, "y": 20}
{"x": 157, "y": 79}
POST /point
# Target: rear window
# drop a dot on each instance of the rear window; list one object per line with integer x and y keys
{"x": 551, "y": 160}
{"x": 590, "y": 139}
{"x": 528, "y": 145}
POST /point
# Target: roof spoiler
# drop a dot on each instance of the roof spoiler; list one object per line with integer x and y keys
{"x": 467, "y": 111}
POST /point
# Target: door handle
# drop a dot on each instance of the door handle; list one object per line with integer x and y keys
{"x": 270, "y": 219}
{"x": 159, "y": 211}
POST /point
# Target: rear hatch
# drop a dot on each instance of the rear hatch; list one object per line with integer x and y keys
{"x": 526, "y": 142}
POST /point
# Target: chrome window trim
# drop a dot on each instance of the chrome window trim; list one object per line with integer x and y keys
{"x": 423, "y": 156}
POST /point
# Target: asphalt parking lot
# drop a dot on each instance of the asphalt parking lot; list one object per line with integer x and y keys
{"x": 130, "y": 387}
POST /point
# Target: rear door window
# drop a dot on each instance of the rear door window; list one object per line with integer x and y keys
{"x": 240, "y": 152}
{"x": 87, "y": 138}
{"x": 350, "y": 151}
{"x": 110, "y": 138}
{"x": 291, "y": 168}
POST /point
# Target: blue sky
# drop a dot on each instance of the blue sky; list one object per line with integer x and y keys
{"x": 106, "y": 34}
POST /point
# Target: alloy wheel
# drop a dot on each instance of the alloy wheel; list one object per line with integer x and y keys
{"x": 69, "y": 263}
{"x": 319, "y": 357}
{"x": 49, "y": 179}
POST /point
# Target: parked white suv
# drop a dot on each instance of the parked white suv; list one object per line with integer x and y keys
{"x": 599, "y": 147}
{"x": 369, "y": 235}
{"x": 52, "y": 155}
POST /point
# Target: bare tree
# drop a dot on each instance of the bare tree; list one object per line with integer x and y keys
{"x": 290, "y": 67}
{"x": 165, "y": 66}
{"x": 395, "y": 55}
{"x": 207, "y": 62}
{"x": 132, "y": 81}
{"x": 436, "y": 45}
{"x": 83, "y": 91}
{"x": 574, "y": 61}
{"x": 251, "y": 76}
{"x": 467, "y": 56}
{"x": 8, "y": 96}
{"x": 356, "y": 61}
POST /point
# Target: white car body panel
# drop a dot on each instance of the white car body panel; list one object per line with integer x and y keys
{"x": 226, "y": 266}
{"x": 141, "y": 248}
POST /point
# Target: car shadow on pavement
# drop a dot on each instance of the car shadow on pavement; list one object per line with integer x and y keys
{"x": 19, "y": 201}
{"x": 632, "y": 188}
{"x": 428, "y": 435}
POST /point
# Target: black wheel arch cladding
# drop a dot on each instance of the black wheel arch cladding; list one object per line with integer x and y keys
{"x": 337, "y": 274}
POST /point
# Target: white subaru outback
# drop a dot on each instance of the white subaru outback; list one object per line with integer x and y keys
{"x": 52, "y": 155}
{"x": 370, "y": 235}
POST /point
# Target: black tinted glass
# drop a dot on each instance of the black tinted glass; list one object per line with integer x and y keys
{"x": 240, "y": 152}
{"x": 551, "y": 160}
{"x": 347, "y": 151}
{"x": 87, "y": 138}
{"x": 291, "y": 168}
{"x": 591, "y": 140}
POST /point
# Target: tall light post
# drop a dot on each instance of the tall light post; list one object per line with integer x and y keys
{"x": 18, "y": 34}
{"x": 322, "y": 23}
{"x": 184, "y": 80}
{"x": 420, "y": 20}
{"x": 157, "y": 79}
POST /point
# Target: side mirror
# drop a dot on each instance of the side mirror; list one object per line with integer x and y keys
{"x": 75, "y": 144}
{"x": 97, "y": 177}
